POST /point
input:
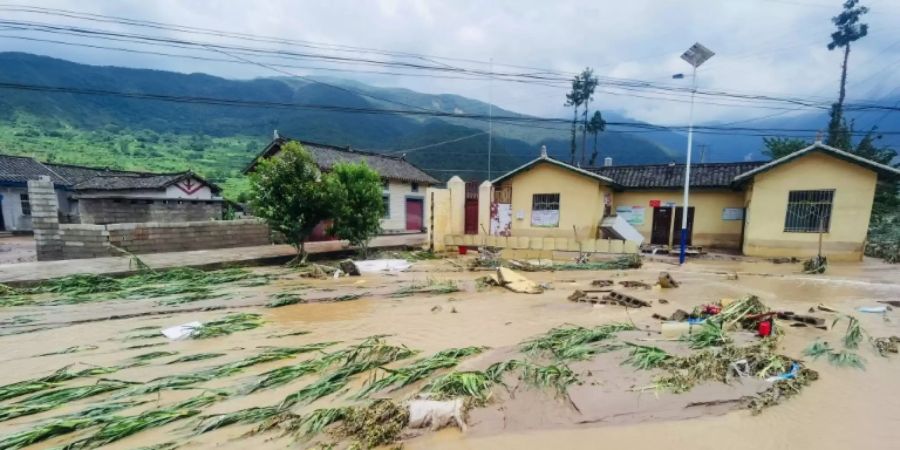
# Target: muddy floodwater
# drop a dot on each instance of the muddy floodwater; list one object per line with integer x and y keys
{"x": 608, "y": 408}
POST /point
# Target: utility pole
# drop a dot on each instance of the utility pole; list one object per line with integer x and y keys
{"x": 490, "y": 114}
{"x": 695, "y": 56}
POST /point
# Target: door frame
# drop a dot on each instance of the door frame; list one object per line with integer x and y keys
{"x": 420, "y": 201}
{"x": 668, "y": 226}
{"x": 676, "y": 226}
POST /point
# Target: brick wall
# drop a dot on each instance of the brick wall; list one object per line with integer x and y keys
{"x": 44, "y": 219}
{"x": 137, "y": 210}
{"x": 181, "y": 236}
{"x": 84, "y": 241}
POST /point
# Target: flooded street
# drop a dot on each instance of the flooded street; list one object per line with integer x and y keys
{"x": 844, "y": 408}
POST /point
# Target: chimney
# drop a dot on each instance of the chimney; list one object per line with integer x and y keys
{"x": 543, "y": 151}
{"x": 607, "y": 162}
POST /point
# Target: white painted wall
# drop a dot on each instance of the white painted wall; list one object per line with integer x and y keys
{"x": 11, "y": 207}
{"x": 399, "y": 192}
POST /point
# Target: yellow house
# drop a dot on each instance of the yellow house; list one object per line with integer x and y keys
{"x": 777, "y": 208}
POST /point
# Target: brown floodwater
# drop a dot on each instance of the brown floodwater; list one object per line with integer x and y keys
{"x": 845, "y": 408}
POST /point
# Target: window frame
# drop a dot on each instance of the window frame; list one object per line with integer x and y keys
{"x": 414, "y": 187}
{"x": 386, "y": 202}
{"x": 25, "y": 203}
{"x": 545, "y": 202}
{"x": 802, "y": 204}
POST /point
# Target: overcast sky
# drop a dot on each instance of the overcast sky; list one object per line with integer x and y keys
{"x": 775, "y": 47}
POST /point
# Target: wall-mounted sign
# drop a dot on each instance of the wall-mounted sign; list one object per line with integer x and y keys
{"x": 669, "y": 204}
{"x": 548, "y": 218}
{"x": 732, "y": 213}
{"x": 655, "y": 203}
{"x": 632, "y": 214}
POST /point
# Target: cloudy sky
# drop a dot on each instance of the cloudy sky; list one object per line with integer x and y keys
{"x": 764, "y": 47}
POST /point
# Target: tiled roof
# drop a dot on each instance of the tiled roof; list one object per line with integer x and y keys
{"x": 879, "y": 168}
{"x": 20, "y": 169}
{"x": 671, "y": 176}
{"x": 326, "y": 156}
{"x": 546, "y": 159}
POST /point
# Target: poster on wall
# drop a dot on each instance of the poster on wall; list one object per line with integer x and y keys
{"x": 732, "y": 213}
{"x": 501, "y": 219}
{"x": 545, "y": 218}
{"x": 632, "y": 214}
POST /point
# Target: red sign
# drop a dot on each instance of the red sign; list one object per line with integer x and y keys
{"x": 654, "y": 203}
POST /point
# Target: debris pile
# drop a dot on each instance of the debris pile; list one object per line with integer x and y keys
{"x": 611, "y": 298}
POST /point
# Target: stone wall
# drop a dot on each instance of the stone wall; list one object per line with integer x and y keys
{"x": 182, "y": 236}
{"x": 84, "y": 241}
{"x": 136, "y": 210}
{"x": 44, "y": 219}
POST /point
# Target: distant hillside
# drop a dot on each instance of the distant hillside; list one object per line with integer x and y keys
{"x": 219, "y": 140}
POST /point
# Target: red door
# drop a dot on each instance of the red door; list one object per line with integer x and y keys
{"x": 471, "y": 208}
{"x": 414, "y": 209}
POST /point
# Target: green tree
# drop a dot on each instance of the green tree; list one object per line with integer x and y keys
{"x": 886, "y": 200}
{"x": 848, "y": 30}
{"x": 588, "y": 84}
{"x": 594, "y": 127}
{"x": 573, "y": 99}
{"x": 777, "y": 147}
{"x": 289, "y": 193}
{"x": 355, "y": 190}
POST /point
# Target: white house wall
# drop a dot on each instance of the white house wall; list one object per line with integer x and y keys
{"x": 399, "y": 191}
{"x": 11, "y": 207}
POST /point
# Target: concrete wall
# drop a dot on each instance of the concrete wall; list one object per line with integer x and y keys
{"x": 173, "y": 237}
{"x": 525, "y": 247}
{"x": 710, "y": 230}
{"x": 398, "y": 193}
{"x": 45, "y": 219}
{"x": 134, "y": 210}
{"x": 85, "y": 241}
{"x": 437, "y": 217}
{"x": 854, "y": 190}
{"x": 581, "y": 201}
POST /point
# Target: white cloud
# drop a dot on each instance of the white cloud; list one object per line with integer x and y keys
{"x": 771, "y": 47}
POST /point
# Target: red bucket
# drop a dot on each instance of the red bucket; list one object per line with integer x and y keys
{"x": 463, "y": 249}
{"x": 764, "y": 328}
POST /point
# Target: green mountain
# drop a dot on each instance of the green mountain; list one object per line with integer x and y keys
{"x": 219, "y": 140}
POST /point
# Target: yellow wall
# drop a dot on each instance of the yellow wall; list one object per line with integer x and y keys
{"x": 854, "y": 192}
{"x": 709, "y": 228}
{"x": 580, "y": 201}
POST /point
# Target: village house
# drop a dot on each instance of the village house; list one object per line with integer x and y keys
{"x": 89, "y": 195}
{"x": 767, "y": 209}
{"x": 404, "y": 184}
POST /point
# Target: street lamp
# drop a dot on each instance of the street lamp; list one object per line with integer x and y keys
{"x": 695, "y": 56}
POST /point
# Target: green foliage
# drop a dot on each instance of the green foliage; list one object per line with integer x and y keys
{"x": 646, "y": 357}
{"x": 574, "y": 342}
{"x": 356, "y": 197}
{"x": 777, "y": 147}
{"x": 418, "y": 370}
{"x": 227, "y": 325}
{"x": 848, "y": 30}
{"x": 884, "y": 237}
{"x": 288, "y": 192}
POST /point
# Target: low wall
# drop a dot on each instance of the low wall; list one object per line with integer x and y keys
{"x": 80, "y": 241}
{"x": 181, "y": 236}
{"x": 524, "y": 247}
{"x": 139, "y": 210}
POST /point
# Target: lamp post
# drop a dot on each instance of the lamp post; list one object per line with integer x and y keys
{"x": 695, "y": 56}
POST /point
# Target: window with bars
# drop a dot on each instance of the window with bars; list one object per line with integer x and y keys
{"x": 26, "y": 204}
{"x": 545, "y": 202}
{"x": 809, "y": 211}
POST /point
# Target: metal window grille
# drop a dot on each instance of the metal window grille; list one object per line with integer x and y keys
{"x": 386, "y": 201}
{"x": 545, "y": 202}
{"x": 809, "y": 211}
{"x": 26, "y": 204}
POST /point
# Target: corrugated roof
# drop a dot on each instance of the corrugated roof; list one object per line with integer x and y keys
{"x": 671, "y": 176}
{"x": 326, "y": 156}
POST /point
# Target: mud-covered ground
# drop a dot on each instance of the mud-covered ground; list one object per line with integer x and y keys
{"x": 611, "y": 404}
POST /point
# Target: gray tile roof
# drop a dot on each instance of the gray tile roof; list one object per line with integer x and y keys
{"x": 326, "y": 156}
{"x": 20, "y": 169}
{"x": 671, "y": 176}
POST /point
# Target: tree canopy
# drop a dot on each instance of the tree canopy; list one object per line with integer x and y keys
{"x": 356, "y": 196}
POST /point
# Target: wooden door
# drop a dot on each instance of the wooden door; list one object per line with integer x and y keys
{"x": 471, "y": 216}
{"x": 676, "y": 235}
{"x": 414, "y": 209}
{"x": 662, "y": 225}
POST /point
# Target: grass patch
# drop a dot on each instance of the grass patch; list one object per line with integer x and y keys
{"x": 151, "y": 356}
{"x": 621, "y": 263}
{"x": 556, "y": 376}
{"x": 418, "y": 370}
{"x": 379, "y": 423}
{"x": 48, "y": 400}
{"x": 243, "y": 416}
{"x": 195, "y": 357}
{"x": 280, "y": 299}
{"x": 65, "y": 424}
{"x": 430, "y": 287}
{"x": 229, "y": 324}
{"x": 646, "y": 357}
{"x": 574, "y": 342}
{"x": 709, "y": 334}
{"x": 51, "y": 381}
